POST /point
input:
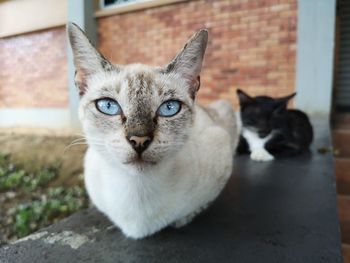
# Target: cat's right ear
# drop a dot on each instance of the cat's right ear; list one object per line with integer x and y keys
{"x": 87, "y": 59}
{"x": 243, "y": 97}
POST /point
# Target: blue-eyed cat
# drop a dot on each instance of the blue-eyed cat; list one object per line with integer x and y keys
{"x": 271, "y": 130}
{"x": 155, "y": 157}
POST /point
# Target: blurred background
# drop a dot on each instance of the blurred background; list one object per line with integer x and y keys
{"x": 264, "y": 47}
{"x": 271, "y": 47}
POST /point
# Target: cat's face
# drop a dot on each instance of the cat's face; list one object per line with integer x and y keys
{"x": 262, "y": 114}
{"x": 139, "y": 93}
{"x": 135, "y": 114}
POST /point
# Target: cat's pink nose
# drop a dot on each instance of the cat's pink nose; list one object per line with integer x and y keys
{"x": 140, "y": 143}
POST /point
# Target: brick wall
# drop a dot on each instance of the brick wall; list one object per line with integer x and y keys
{"x": 33, "y": 70}
{"x": 251, "y": 46}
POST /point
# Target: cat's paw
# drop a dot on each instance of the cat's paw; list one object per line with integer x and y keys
{"x": 261, "y": 155}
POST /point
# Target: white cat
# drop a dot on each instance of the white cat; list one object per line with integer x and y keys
{"x": 155, "y": 157}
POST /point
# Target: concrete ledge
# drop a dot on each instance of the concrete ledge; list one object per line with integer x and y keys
{"x": 39, "y": 118}
{"x": 282, "y": 211}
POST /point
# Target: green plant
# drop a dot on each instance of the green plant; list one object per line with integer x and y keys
{"x": 56, "y": 204}
{"x": 12, "y": 178}
{"x": 32, "y": 203}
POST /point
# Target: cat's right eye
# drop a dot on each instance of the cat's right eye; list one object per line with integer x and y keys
{"x": 108, "y": 106}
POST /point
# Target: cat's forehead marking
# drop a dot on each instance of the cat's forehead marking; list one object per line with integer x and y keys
{"x": 140, "y": 84}
{"x": 169, "y": 93}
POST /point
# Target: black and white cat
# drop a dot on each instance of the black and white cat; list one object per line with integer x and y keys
{"x": 271, "y": 130}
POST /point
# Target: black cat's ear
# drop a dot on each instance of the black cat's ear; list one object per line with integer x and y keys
{"x": 188, "y": 62}
{"x": 281, "y": 103}
{"x": 87, "y": 60}
{"x": 243, "y": 97}
{"x": 284, "y": 100}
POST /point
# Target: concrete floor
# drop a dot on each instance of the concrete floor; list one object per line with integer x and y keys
{"x": 282, "y": 211}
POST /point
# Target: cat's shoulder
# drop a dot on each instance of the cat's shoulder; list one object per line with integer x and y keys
{"x": 218, "y": 110}
{"x": 295, "y": 113}
{"x": 203, "y": 113}
{"x": 221, "y": 115}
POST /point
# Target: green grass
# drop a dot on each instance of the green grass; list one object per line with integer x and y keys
{"x": 32, "y": 202}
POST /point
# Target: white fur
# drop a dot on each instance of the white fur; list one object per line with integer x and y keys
{"x": 190, "y": 158}
{"x": 256, "y": 146}
{"x": 144, "y": 201}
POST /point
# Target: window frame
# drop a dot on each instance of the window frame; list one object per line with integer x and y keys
{"x": 137, "y": 5}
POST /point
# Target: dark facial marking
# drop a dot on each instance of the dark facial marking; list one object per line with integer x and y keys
{"x": 170, "y": 67}
{"x": 79, "y": 83}
{"x": 169, "y": 93}
{"x": 140, "y": 122}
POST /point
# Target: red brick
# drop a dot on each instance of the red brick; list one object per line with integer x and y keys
{"x": 34, "y": 70}
{"x": 252, "y": 45}
{"x": 256, "y": 38}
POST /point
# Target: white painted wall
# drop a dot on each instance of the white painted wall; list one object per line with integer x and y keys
{"x": 54, "y": 118}
{"x": 315, "y": 52}
{"x": 22, "y": 16}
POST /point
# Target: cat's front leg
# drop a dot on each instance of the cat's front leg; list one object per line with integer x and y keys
{"x": 257, "y": 146}
{"x": 261, "y": 155}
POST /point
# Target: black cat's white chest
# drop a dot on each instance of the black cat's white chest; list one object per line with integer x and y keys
{"x": 253, "y": 139}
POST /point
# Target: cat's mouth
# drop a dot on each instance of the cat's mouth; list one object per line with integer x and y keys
{"x": 139, "y": 161}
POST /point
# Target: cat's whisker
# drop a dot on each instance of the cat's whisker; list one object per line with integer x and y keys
{"x": 78, "y": 140}
{"x": 83, "y": 141}
{"x": 79, "y": 137}
{"x": 68, "y": 147}
{"x": 86, "y": 138}
{"x": 86, "y": 143}
{"x": 71, "y": 145}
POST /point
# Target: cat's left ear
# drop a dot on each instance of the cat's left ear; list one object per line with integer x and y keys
{"x": 281, "y": 103}
{"x": 188, "y": 63}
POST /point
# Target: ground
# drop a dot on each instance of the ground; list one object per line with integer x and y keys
{"x": 40, "y": 182}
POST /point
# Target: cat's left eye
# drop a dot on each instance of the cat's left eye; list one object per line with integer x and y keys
{"x": 108, "y": 106}
{"x": 169, "y": 108}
